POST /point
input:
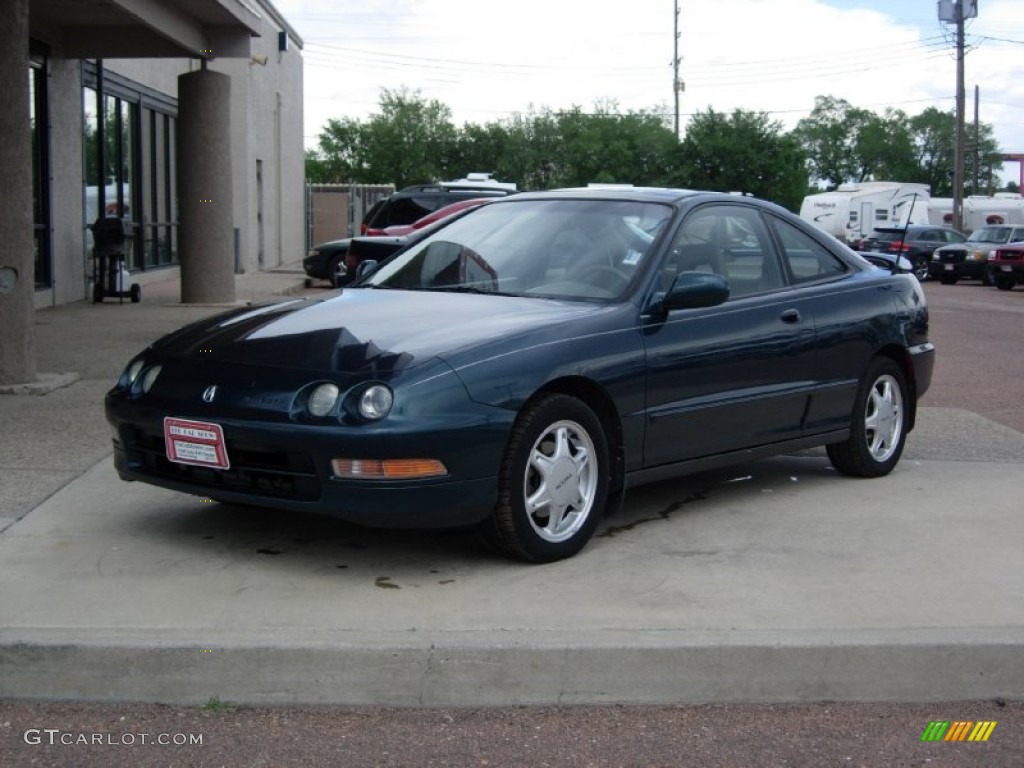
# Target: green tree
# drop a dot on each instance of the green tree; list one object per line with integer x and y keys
{"x": 883, "y": 147}
{"x": 829, "y": 137}
{"x": 342, "y": 155}
{"x": 611, "y": 147}
{"x": 410, "y": 140}
{"x": 743, "y": 152}
{"x": 933, "y": 132}
{"x": 982, "y": 150}
{"x": 845, "y": 143}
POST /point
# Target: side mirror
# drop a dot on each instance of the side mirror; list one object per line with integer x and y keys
{"x": 366, "y": 267}
{"x": 691, "y": 290}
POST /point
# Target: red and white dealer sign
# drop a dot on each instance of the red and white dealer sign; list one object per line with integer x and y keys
{"x": 199, "y": 443}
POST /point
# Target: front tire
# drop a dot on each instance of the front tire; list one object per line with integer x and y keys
{"x": 921, "y": 268}
{"x": 881, "y": 416}
{"x": 553, "y": 483}
{"x": 1005, "y": 283}
{"x": 336, "y": 271}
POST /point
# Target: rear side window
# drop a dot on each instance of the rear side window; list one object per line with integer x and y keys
{"x": 406, "y": 210}
{"x": 806, "y": 258}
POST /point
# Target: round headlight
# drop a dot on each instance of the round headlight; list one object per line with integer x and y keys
{"x": 375, "y": 403}
{"x": 149, "y": 377}
{"x": 133, "y": 371}
{"x": 322, "y": 399}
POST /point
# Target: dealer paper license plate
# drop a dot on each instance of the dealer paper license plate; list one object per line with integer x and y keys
{"x": 199, "y": 443}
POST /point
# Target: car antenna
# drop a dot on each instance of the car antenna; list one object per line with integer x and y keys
{"x": 906, "y": 222}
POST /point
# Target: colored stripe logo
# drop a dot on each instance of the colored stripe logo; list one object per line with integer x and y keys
{"x": 958, "y": 730}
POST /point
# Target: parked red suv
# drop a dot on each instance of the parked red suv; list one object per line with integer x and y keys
{"x": 1006, "y": 266}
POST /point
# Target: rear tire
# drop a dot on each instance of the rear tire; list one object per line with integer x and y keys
{"x": 921, "y": 268}
{"x": 553, "y": 483}
{"x": 881, "y": 416}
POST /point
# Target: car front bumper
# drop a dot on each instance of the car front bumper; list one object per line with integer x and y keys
{"x": 288, "y": 466}
{"x": 1013, "y": 270}
{"x": 960, "y": 270}
{"x": 315, "y": 266}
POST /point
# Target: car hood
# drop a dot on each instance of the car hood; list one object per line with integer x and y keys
{"x": 369, "y": 330}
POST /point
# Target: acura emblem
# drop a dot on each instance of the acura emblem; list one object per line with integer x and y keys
{"x": 209, "y": 393}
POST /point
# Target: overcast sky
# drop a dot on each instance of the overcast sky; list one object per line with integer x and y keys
{"x": 489, "y": 60}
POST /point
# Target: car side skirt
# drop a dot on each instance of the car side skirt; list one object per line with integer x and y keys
{"x": 705, "y": 463}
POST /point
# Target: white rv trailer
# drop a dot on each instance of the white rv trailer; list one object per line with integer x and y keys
{"x": 979, "y": 210}
{"x": 855, "y": 210}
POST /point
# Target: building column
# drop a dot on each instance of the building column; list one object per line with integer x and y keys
{"x": 17, "y": 263}
{"x": 206, "y": 225}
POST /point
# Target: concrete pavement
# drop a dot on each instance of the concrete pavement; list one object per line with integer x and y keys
{"x": 776, "y": 581}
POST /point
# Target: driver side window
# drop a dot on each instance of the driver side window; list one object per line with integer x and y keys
{"x": 730, "y": 240}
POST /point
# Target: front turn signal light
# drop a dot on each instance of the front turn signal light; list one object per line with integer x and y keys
{"x": 388, "y": 469}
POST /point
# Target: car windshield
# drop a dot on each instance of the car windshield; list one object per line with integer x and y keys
{"x": 990, "y": 235}
{"x": 562, "y": 248}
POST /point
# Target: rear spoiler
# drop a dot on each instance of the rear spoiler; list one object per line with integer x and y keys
{"x": 892, "y": 262}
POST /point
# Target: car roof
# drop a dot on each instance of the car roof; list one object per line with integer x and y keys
{"x": 447, "y": 191}
{"x": 624, "y": 192}
{"x": 911, "y": 228}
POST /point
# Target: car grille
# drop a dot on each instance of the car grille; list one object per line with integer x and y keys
{"x": 952, "y": 257}
{"x": 254, "y": 469}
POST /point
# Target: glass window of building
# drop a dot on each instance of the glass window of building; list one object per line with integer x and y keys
{"x": 40, "y": 170}
{"x": 129, "y": 169}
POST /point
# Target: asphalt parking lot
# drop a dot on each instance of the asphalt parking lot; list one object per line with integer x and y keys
{"x": 775, "y": 582}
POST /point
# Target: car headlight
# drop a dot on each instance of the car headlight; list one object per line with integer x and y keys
{"x": 149, "y": 378}
{"x": 375, "y": 402}
{"x": 314, "y": 252}
{"x": 322, "y": 399}
{"x": 132, "y": 372}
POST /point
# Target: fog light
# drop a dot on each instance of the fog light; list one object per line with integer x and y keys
{"x": 323, "y": 398}
{"x": 388, "y": 469}
{"x": 375, "y": 403}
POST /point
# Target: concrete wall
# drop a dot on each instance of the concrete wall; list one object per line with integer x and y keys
{"x": 267, "y": 115}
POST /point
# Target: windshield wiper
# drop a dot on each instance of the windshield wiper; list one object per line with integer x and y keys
{"x": 460, "y": 289}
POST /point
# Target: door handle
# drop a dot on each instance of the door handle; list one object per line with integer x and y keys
{"x": 791, "y": 316}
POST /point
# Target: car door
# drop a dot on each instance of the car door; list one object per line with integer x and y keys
{"x": 733, "y": 376}
{"x": 844, "y": 316}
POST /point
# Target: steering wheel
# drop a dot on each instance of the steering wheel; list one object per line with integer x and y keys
{"x": 605, "y": 277}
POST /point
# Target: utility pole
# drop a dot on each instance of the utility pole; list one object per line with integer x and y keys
{"x": 958, "y": 156}
{"x": 677, "y": 84}
{"x": 976, "y": 146}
